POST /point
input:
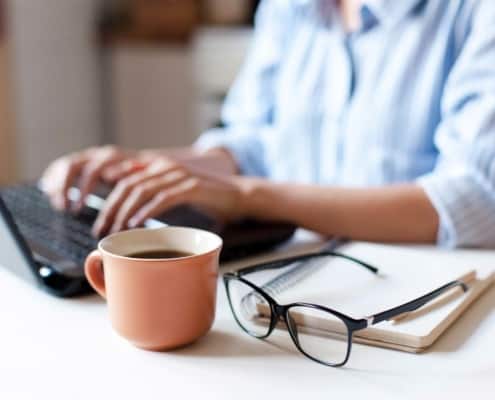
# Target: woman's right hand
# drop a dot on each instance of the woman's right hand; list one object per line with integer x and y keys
{"x": 86, "y": 168}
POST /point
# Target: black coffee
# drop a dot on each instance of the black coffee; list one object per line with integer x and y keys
{"x": 156, "y": 254}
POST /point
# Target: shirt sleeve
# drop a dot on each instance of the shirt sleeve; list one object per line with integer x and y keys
{"x": 462, "y": 186}
{"x": 248, "y": 110}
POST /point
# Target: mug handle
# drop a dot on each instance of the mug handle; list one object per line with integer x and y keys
{"x": 93, "y": 268}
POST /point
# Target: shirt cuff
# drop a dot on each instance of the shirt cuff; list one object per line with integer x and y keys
{"x": 246, "y": 150}
{"x": 465, "y": 209}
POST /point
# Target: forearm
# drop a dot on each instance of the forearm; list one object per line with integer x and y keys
{"x": 401, "y": 213}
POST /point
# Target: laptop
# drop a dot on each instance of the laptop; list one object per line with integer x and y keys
{"x": 48, "y": 247}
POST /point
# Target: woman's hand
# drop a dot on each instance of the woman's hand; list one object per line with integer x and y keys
{"x": 165, "y": 184}
{"x": 107, "y": 163}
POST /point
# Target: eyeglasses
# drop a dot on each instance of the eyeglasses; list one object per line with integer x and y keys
{"x": 320, "y": 333}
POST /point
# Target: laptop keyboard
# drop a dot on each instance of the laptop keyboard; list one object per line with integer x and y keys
{"x": 69, "y": 236}
{"x": 65, "y": 234}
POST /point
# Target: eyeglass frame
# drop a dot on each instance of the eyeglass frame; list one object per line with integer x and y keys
{"x": 281, "y": 311}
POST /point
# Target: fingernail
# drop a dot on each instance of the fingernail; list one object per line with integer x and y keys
{"x": 133, "y": 222}
{"x": 59, "y": 202}
{"x": 75, "y": 207}
{"x": 56, "y": 204}
{"x": 96, "y": 229}
{"x": 115, "y": 228}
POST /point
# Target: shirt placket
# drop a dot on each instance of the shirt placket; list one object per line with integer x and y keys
{"x": 341, "y": 86}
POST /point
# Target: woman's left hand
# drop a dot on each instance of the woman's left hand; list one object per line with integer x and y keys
{"x": 163, "y": 185}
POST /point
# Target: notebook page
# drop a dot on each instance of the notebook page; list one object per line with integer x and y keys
{"x": 406, "y": 272}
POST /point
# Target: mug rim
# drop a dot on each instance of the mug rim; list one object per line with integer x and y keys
{"x": 151, "y": 260}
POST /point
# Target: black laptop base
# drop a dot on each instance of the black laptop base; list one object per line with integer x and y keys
{"x": 48, "y": 247}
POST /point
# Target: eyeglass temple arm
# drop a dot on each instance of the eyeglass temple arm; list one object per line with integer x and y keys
{"x": 284, "y": 262}
{"x": 417, "y": 303}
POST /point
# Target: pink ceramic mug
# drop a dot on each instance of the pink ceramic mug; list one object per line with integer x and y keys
{"x": 158, "y": 304}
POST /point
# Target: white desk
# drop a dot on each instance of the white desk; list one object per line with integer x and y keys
{"x": 66, "y": 349}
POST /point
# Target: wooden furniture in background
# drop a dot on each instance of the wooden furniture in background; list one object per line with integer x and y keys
{"x": 175, "y": 19}
{"x": 152, "y": 22}
{"x": 226, "y": 12}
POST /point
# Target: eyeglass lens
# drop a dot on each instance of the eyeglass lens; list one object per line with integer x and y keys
{"x": 319, "y": 334}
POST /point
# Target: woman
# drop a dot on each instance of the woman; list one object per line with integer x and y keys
{"x": 373, "y": 120}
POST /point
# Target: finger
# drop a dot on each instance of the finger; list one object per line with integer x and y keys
{"x": 141, "y": 194}
{"x": 112, "y": 203}
{"x": 163, "y": 165}
{"x": 181, "y": 193}
{"x": 91, "y": 174}
{"x": 63, "y": 196}
{"x": 116, "y": 199}
{"x": 60, "y": 179}
{"x": 116, "y": 172}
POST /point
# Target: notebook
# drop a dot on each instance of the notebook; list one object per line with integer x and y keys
{"x": 406, "y": 272}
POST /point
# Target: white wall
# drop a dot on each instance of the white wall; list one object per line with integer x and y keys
{"x": 151, "y": 95}
{"x": 166, "y": 95}
{"x": 56, "y": 72}
{"x": 218, "y": 54}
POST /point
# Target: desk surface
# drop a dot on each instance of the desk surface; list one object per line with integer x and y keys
{"x": 58, "y": 349}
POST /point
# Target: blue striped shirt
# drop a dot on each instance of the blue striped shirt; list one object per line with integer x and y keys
{"x": 409, "y": 97}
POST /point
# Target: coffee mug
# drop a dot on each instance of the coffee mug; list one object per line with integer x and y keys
{"x": 157, "y": 303}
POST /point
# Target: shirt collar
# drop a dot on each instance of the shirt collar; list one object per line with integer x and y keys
{"x": 391, "y": 12}
{"x": 388, "y": 12}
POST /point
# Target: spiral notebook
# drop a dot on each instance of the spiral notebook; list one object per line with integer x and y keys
{"x": 406, "y": 272}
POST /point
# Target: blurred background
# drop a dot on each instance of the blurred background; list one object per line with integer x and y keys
{"x": 137, "y": 73}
